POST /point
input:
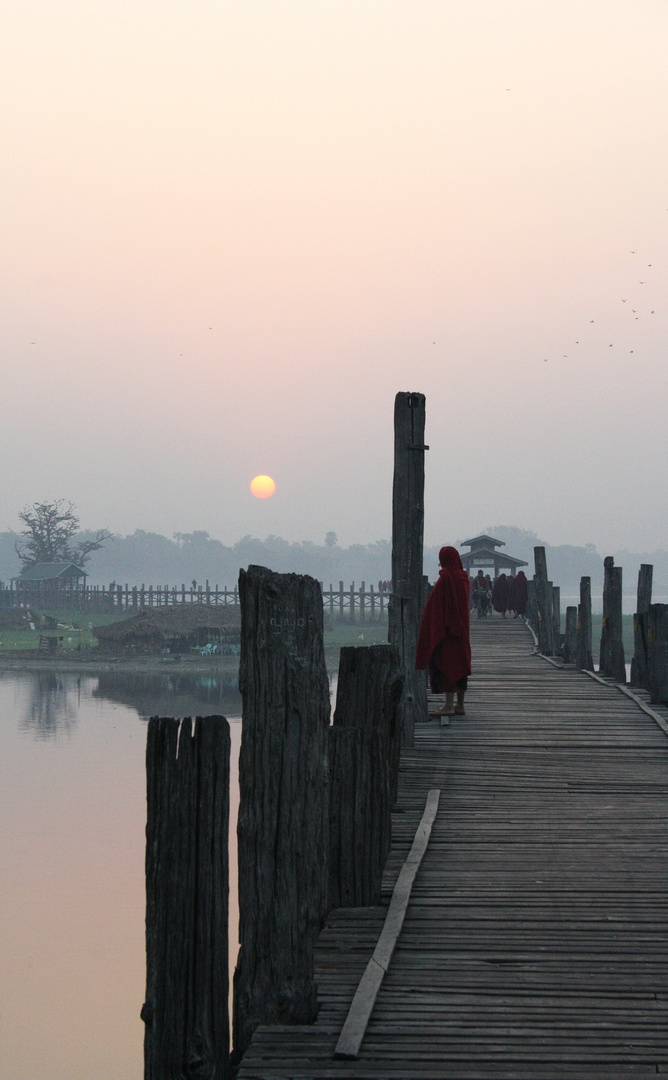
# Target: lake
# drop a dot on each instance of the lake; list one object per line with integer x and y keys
{"x": 72, "y": 845}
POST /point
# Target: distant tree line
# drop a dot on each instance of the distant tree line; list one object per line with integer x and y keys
{"x": 152, "y": 559}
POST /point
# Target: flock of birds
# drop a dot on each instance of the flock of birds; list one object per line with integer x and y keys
{"x": 636, "y": 312}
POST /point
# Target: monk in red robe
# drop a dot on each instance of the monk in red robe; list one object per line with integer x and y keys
{"x": 443, "y": 642}
{"x": 520, "y": 594}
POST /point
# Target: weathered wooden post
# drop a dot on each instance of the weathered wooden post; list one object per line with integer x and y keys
{"x": 640, "y": 627}
{"x": 611, "y": 662}
{"x": 544, "y": 604}
{"x": 532, "y": 611}
{"x": 571, "y": 635}
{"x": 364, "y": 764}
{"x": 556, "y": 617}
{"x": 283, "y": 808}
{"x": 405, "y": 607}
{"x": 368, "y": 695}
{"x": 657, "y": 653}
{"x": 187, "y": 982}
{"x": 585, "y": 659}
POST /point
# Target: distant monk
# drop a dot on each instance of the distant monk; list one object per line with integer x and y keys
{"x": 520, "y": 596}
{"x": 443, "y": 642}
{"x": 480, "y": 594}
{"x": 500, "y": 595}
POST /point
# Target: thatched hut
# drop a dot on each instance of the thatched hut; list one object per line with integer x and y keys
{"x": 177, "y": 629}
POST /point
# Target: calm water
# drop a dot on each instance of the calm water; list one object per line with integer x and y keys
{"x": 72, "y": 820}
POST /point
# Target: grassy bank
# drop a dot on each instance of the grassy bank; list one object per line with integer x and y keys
{"x": 76, "y": 634}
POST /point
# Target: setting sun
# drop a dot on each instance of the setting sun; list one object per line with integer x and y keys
{"x": 262, "y": 487}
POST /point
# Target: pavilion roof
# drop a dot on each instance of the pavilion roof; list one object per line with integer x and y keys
{"x": 483, "y": 537}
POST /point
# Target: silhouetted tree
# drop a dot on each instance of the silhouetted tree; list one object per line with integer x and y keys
{"x": 48, "y": 534}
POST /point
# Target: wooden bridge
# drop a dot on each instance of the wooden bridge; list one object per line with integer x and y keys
{"x": 535, "y": 943}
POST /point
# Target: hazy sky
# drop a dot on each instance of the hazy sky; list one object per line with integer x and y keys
{"x": 234, "y": 229}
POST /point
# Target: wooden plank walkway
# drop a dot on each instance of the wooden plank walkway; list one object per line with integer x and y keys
{"x": 536, "y": 940}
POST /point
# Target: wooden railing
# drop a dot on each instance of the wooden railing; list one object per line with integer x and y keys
{"x": 349, "y": 604}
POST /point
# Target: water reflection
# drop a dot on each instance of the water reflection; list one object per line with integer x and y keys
{"x": 72, "y": 852}
{"x": 172, "y": 694}
{"x": 52, "y": 704}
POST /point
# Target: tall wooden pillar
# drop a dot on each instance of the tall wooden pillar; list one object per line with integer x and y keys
{"x": 556, "y": 618}
{"x": 657, "y": 653}
{"x": 585, "y": 659}
{"x": 612, "y": 647}
{"x": 640, "y": 626}
{"x": 544, "y": 603}
{"x": 407, "y": 541}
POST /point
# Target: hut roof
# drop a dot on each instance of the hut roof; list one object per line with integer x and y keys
{"x": 179, "y": 620}
{"x": 50, "y": 571}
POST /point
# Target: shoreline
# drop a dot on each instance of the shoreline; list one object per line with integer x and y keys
{"x": 146, "y": 665}
{"x": 149, "y": 665}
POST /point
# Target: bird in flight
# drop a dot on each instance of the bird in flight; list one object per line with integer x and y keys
{"x": 624, "y": 301}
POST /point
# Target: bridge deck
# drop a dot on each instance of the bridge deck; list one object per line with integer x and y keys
{"x": 536, "y": 940}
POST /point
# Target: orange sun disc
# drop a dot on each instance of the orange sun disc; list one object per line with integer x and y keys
{"x": 262, "y": 487}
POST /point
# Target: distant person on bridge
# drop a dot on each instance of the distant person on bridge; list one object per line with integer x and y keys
{"x": 443, "y": 642}
{"x": 519, "y": 597}
{"x": 481, "y": 595}
{"x": 500, "y": 595}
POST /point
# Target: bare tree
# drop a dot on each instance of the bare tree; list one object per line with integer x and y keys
{"x": 49, "y": 533}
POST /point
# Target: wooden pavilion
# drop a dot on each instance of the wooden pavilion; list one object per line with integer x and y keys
{"x": 49, "y": 582}
{"x": 483, "y": 555}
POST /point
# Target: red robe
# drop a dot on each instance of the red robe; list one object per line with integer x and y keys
{"x": 444, "y": 629}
